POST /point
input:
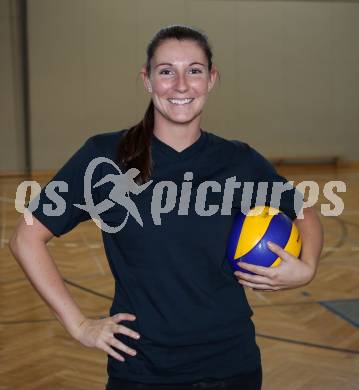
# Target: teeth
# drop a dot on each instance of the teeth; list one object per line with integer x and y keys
{"x": 180, "y": 101}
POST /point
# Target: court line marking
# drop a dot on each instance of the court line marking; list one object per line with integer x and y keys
{"x": 19, "y": 322}
{"x": 327, "y": 306}
{"x": 342, "y": 238}
{"x": 70, "y": 244}
{"x": 302, "y": 303}
{"x": 334, "y": 249}
{"x": 4, "y": 199}
{"x": 3, "y": 224}
{"x": 348, "y": 212}
{"x": 306, "y": 344}
{"x": 261, "y": 296}
{"x": 87, "y": 289}
{"x": 110, "y": 298}
{"x": 282, "y": 339}
{"x": 94, "y": 256}
{"x": 83, "y": 278}
{"x": 298, "y": 342}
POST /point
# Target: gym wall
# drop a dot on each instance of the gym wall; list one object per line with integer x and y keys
{"x": 289, "y": 73}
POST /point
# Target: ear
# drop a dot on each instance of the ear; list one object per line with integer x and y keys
{"x": 145, "y": 79}
{"x": 212, "y": 77}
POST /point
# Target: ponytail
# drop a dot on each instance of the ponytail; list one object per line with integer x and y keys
{"x": 134, "y": 148}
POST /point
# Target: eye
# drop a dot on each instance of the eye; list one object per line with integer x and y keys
{"x": 196, "y": 70}
{"x": 165, "y": 71}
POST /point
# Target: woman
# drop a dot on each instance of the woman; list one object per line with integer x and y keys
{"x": 179, "y": 317}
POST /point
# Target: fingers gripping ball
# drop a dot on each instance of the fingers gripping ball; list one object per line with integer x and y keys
{"x": 250, "y": 234}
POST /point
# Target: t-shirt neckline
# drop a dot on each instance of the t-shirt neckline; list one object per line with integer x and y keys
{"x": 185, "y": 153}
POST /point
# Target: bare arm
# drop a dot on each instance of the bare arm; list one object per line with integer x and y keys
{"x": 28, "y": 246}
{"x": 311, "y": 231}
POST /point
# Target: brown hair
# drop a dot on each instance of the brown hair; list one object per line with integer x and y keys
{"x": 134, "y": 148}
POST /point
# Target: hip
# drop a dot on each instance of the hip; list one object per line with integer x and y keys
{"x": 244, "y": 381}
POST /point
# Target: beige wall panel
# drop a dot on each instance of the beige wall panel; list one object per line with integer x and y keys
{"x": 323, "y": 98}
{"x": 345, "y": 48}
{"x": 223, "y": 109}
{"x": 309, "y": 79}
{"x": 155, "y": 14}
{"x": 289, "y": 72}
{"x": 82, "y": 73}
{"x": 12, "y": 141}
{"x": 261, "y": 69}
{"x": 57, "y": 80}
{"x": 4, "y": 9}
{"x": 110, "y": 64}
{"x": 294, "y": 96}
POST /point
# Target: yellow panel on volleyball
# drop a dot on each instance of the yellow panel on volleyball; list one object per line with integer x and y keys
{"x": 254, "y": 227}
{"x": 293, "y": 246}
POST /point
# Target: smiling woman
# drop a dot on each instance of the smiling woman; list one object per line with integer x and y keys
{"x": 180, "y": 80}
{"x": 179, "y": 75}
{"x": 190, "y": 320}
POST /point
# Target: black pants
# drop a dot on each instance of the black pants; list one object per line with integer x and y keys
{"x": 250, "y": 381}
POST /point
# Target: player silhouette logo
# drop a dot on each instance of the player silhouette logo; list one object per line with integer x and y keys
{"x": 123, "y": 186}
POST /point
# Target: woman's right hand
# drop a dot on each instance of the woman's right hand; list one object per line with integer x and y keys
{"x": 100, "y": 334}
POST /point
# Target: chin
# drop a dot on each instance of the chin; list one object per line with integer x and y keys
{"x": 183, "y": 119}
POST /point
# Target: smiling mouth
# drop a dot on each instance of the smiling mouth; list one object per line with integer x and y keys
{"x": 180, "y": 102}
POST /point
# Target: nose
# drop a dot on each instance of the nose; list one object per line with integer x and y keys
{"x": 181, "y": 83}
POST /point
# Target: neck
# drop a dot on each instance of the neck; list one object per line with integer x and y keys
{"x": 177, "y": 135}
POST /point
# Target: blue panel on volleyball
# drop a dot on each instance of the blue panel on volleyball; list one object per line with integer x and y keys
{"x": 277, "y": 231}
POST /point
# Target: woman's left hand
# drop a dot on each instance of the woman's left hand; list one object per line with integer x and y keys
{"x": 290, "y": 273}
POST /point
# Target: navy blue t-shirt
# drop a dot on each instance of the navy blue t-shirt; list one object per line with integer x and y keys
{"x": 170, "y": 270}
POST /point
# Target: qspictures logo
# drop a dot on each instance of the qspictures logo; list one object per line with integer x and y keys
{"x": 166, "y": 193}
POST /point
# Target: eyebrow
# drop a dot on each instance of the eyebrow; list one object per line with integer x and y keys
{"x": 168, "y": 63}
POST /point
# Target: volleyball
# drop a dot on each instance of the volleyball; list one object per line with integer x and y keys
{"x": 251, "y": 232}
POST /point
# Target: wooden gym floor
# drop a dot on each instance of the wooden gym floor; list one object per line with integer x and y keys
{"x": 305, "y": 343}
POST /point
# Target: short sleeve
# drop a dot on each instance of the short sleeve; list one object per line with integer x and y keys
{"x": 55, "y": 206}
{"x": 283, "y": 195}
{"x": 280, "y": 193}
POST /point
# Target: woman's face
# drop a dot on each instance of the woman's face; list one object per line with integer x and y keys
{"x": 179, "y": 80}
